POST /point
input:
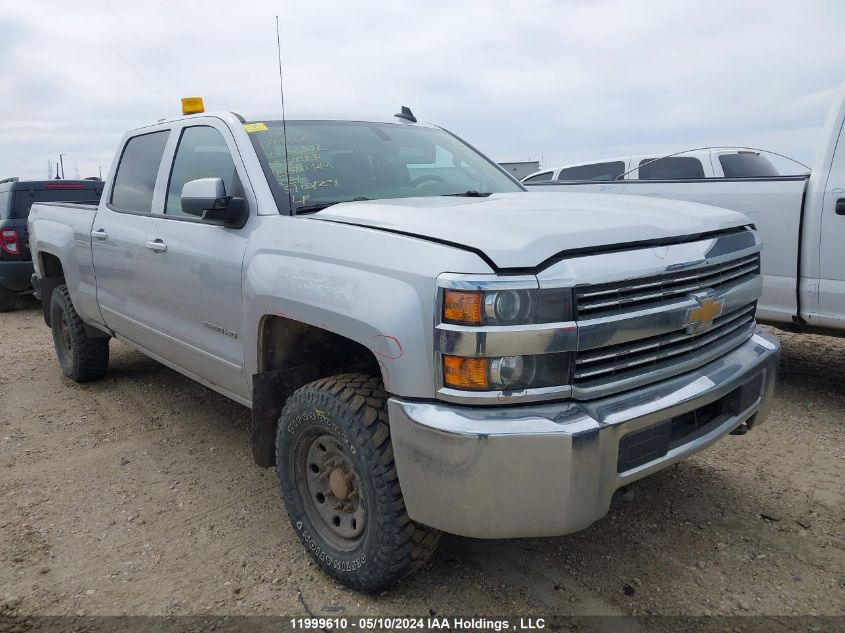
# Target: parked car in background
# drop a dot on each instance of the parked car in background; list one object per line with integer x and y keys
{"x": 714, "y": 162}
{"x": 16, "y": 198}
{"x": 801, "y": 219}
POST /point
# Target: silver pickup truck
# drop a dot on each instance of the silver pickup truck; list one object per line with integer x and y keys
{"x": 425, "y": 347}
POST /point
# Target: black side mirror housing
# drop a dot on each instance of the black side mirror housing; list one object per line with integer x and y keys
{"x": 206, "y": 197}
{"x": 227, "y": 211}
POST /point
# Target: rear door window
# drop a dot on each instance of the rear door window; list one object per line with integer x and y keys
{"x": 746, "y": 165}
{"x": 546, "y": 176}
{"x": 671, "y": 168}
{"x": 597, "y": 171}
{"x": 135, "y": 180}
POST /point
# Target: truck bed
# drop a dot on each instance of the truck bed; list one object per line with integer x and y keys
{"x": 65, "y": 228}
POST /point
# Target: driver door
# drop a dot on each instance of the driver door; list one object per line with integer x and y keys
{"x": 198, "y": 304}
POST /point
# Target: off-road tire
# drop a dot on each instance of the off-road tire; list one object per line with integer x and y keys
{"x": 7, "y": 299}
{"x": 352, "y": 408}
{"x": 82, "y": 358}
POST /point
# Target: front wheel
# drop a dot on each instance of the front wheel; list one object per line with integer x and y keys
{"x": 81, "y": 357}
{"x": 340, "y": 487}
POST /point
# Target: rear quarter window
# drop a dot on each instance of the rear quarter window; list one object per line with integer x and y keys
{"x": 671, "y": 168}
{"x": 746, "y": 165}
{"x": 596, "y": 171}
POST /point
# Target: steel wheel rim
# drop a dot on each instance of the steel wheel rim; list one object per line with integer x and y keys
{"x": 330, "y": 490}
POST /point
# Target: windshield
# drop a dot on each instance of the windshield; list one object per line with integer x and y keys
{"x": 340, "y": 161}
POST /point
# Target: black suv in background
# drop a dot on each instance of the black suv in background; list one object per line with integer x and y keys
{"x": 16, "y": 198}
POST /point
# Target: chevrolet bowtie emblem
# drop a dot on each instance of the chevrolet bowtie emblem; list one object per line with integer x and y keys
{"x": 703, "y": 315}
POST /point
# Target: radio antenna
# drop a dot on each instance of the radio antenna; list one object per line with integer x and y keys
{"x": 284, "y": 122}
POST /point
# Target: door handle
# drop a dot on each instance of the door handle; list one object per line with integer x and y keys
{"x": 156, "y": 246}
{"x": 840, "y": 206}
{"x": 100, "y": 234}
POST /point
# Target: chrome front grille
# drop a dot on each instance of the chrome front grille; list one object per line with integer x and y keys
{"x": 617, "y": 362}
{"x": 669, "y": 311}
{"x": 600, "y": 300}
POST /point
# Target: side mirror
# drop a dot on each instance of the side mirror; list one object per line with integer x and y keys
{"x": 206, "y": 197}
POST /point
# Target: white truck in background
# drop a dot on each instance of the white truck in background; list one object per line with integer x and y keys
{"x": 709, "y": 162}
{"x": 801, "y": 219}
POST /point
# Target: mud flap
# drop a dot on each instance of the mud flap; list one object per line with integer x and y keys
{"x": 270, "y": 391}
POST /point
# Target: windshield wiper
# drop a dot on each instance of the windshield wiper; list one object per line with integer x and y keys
{"x": 313, "y": 208}
{"x": 468, "y": 194}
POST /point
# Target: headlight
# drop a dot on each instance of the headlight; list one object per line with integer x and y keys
{"x": 511, "y": 371}
{"x": 507, "y": 307}
{"x": 503, "y": 339}
{"x": 507, "y": 373}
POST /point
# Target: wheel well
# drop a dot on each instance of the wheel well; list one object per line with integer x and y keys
{"x": 52, "y": 275}
{"x": 290, "y": 355}
{"x": 51, "y": 266}
{"x": 284, "y": 343}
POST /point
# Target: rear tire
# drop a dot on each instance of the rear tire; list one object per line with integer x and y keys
{"x": 81, "y": 357}
{"x": 339, "y": 483}
{"x": 7, "y": 299}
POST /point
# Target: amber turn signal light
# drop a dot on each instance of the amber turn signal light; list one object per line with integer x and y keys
{"x": 466, "y": 373}
{"x": 460, "y": 306}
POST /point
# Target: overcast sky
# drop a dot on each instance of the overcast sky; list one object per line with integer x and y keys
{"x": 565, "y": 81}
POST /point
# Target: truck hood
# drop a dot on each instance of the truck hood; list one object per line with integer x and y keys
{"x": 522, "y": 230}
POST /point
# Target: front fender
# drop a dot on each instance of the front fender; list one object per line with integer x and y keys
{"x": 391, "y": 317}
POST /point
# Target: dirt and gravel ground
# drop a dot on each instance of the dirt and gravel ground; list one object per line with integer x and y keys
{"x": 137, "y": 495}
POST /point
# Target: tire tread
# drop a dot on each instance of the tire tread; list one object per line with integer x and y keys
{"x": 89, "y": 356}
{"x": 412, "y": 544}
{"x": 7, "y": 299}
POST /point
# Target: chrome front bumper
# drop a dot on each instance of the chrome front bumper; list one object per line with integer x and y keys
{"x": 552, "y": 469}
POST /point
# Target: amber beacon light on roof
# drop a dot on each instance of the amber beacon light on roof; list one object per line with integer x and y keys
{"x": 192, "y": 105}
